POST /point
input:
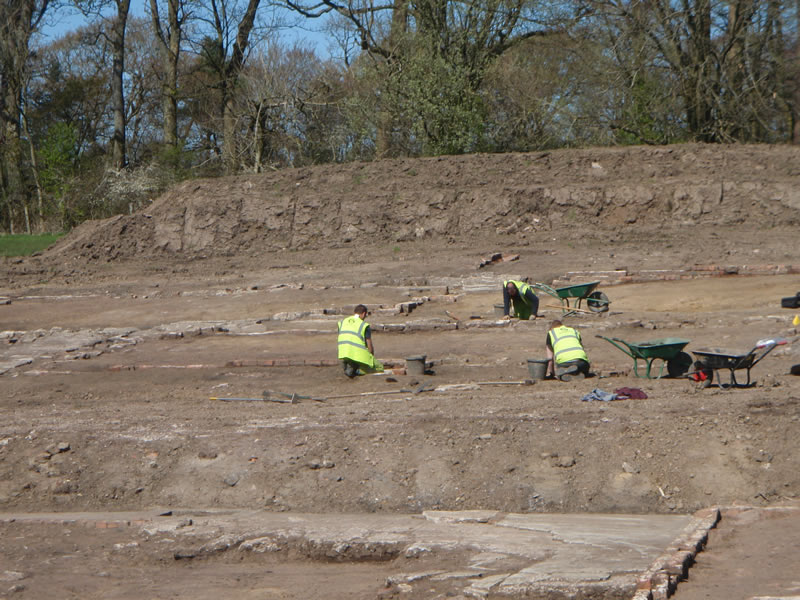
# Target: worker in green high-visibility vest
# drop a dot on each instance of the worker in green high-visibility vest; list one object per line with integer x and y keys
{"x": 520, "y": 294}
{"x": 356, "y": 350}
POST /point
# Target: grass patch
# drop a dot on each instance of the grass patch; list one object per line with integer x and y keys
{"x": 25, "y": 245}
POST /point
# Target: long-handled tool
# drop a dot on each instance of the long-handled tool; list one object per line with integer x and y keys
{"x": 270, "y": 396}
{"x": 420, "y": 389}
{"x": 232, "y": 399}
{"x": 282, "y": 396}
{"x": 572, "y": 308}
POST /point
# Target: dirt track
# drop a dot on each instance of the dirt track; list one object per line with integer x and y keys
{"x": 114, "y": 412}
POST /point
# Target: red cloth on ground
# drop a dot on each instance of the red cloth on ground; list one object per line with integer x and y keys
{"x": 630, "y": 393}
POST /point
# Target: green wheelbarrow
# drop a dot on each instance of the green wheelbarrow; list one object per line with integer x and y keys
{"x": 668, "y": 350}
{"x": 596, "y": 301}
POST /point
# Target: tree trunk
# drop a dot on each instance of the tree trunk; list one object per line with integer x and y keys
{"x": 118, "y": 152}
{"x": 700, "y": 88}
{"x": 36, "y": 180}
{"x": 12, "y": 187}
{"x": 229, "y": 154}
{"x": 385, "y": 126}
{"x": 231, "y": 77}
{"x": 169, "y": 43}
{"x": 18, "y": 20}
{"x": 794, "y": 65}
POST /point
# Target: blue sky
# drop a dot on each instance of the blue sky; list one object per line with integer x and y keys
{"x": 67, "y": 19}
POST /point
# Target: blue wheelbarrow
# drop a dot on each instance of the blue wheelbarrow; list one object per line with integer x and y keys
{"x": 711, "y": 362}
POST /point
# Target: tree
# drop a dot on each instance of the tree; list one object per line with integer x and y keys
{"x": 169, "y": 37}
{"x": 67, "y": 99}
{"x": 19, "y": 20}
{"x": 722, "y": 58}
{"x": 116, "y": 36}
{"x": 113, "y": 32}
{"x": 435, "y": 105}
{"x": 793, "y": 78}
{"x": 223, "y": 53}
{"x": 459, "y": 39}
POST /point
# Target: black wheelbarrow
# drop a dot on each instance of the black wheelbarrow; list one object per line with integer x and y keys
{"x": 711, "y": 362}
{"x": 596, "y": 301}
{"x": 668, "y": 350}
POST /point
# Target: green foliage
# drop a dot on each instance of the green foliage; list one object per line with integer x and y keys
{"x": 430, "y": 79}
{"x": 25, "y": 245}
{"x": 646, "y": 116}
{"x": 58, "y": 154}
{"x": 432, "y": 95}
{"x": 529, "y": 92}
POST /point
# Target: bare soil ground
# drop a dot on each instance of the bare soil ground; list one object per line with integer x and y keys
{"x": 231, "y": 287}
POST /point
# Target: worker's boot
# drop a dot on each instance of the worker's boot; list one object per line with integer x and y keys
{"x": 570, "y": 373}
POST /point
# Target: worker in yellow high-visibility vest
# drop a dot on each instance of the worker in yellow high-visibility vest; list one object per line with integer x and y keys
{"x": 356, "y": 350}
{"x": 566, "y": 358}
{"x": 521, "y": 296}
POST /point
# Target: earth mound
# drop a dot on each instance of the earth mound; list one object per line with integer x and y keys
{"x": 577, "y": 192}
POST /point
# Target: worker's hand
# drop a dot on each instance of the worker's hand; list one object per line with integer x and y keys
{"x": 505, "y": 318}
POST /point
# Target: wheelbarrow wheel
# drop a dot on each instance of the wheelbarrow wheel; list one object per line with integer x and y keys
{"x": 679, "y": 365}
{"x": 597, "y": 302}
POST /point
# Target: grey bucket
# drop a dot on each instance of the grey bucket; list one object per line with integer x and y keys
{"x": 415, "y": 365}
{"x": 537, "y": 367}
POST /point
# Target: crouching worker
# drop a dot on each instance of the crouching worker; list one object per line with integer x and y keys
{"x": 521, "y": 296}
{"x": 355, "y": 345}
{"x": 566, "y": 358}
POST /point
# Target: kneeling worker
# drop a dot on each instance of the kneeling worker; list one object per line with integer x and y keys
{"x": 355, "y": 344}
{"x": 566, "y": 357}
{"x": 526, "y": 303}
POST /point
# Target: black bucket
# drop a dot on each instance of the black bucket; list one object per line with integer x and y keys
{"x": 537, "y": 367}
{"x": 415, "y": 365}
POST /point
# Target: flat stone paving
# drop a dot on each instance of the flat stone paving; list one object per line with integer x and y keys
{"x": 497, "y": 554}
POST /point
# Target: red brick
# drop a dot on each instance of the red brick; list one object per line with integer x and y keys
{"x": 644, "y": 584}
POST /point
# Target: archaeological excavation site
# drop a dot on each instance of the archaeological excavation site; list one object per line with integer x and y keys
{"x": 176, "y": 422}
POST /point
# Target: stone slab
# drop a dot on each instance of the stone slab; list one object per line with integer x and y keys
{"x": 490, "y": 553}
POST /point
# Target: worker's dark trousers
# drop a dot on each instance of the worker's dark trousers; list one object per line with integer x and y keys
{"x": 350, "y": 367}
{"x": 580, "y": 366}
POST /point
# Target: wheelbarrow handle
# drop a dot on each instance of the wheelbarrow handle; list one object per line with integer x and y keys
{"x": 613, "y": 341}
{"x": 770, "y": 342}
